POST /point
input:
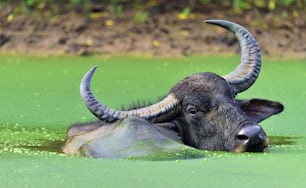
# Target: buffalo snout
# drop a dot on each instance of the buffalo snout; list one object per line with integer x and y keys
{"x": 252, "y": 139}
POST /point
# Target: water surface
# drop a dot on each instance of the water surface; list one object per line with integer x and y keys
{"x": 39, "y": 98}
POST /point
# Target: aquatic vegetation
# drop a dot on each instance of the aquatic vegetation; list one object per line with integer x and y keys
{"x": 39, "y": 99}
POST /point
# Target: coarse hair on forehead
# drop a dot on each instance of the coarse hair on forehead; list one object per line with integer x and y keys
{"x": 201, "y": 83}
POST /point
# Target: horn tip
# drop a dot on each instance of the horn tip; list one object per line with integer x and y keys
{"x": 85, "y": 83}
{"x": 91, "y": 71}
{"x": 214, "y": 21}
{"x": 231, "y": 26}
{"x": 94, "y": 68}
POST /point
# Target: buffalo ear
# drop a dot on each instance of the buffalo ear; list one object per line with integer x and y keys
{"x": 260, "y": 109}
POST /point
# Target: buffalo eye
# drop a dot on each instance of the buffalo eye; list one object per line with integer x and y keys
{"x": 192, "y": 110}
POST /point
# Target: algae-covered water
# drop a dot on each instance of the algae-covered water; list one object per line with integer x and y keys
{"x": 39, "y": 98}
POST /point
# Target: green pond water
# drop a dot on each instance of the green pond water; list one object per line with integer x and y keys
{"x": 39, "y": 98}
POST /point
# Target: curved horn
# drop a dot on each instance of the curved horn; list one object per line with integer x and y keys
{"x": 245, "y": 75}
{"x": 107, "y": 114}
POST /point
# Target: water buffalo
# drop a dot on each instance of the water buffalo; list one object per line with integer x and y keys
{"x": 199, "y": 112}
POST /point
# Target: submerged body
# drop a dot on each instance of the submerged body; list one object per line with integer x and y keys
{"x": 132, "y": 137}
{"x": 199, "y": 112}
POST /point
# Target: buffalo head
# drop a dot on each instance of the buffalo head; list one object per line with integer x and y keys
{"x": 201, "y": 110}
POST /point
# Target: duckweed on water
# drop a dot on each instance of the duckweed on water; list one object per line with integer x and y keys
{"x": 18, "y": 138}
{"x": 40, "y": 98}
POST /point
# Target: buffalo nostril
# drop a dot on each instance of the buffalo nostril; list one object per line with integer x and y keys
{"x": 249, "y": 132}
{"x": 242, "y": 137}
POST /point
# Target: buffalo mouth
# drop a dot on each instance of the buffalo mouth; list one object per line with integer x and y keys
{"x": 257, "y": 148}
{"x": 251, "y": 146}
